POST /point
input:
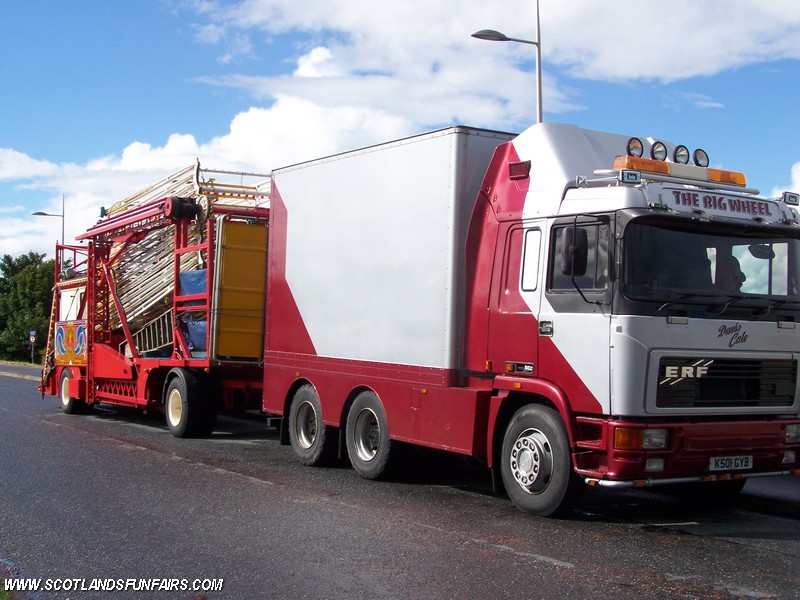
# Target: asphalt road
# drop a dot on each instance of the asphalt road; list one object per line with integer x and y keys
{"x": 112, "y": 496}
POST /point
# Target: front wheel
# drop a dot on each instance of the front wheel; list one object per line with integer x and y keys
{"x": 312, "y": 441}
{"x": 536, "y": 463}
{"x": 367, "y": 435}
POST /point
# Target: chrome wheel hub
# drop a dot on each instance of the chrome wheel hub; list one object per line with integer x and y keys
{"x": 532, "y": 461}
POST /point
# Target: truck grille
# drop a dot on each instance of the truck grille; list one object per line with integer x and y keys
{"x": 715, "y": 383}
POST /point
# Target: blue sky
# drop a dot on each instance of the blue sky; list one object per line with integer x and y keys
{"x": 102, "y": 98}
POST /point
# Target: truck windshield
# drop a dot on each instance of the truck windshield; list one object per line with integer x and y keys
{"x": 669, "y": 263}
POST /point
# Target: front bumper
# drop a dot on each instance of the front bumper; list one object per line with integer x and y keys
{"x": 688, "y": 454}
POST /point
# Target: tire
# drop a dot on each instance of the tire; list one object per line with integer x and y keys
{"x": 367, "y": 436}
{"x": 186, "y": 408}
{"x": 536, "y": 463}
{"x": 71, "y": 406}
{"x": 312, "y": 441}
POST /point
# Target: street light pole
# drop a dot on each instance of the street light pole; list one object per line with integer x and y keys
{"x": 496, "y": 36}
{"x": 39, "y": 213}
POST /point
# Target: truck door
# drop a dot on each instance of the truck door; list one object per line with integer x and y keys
{"x": 575, "y": 312}
{"x": 516, "y": 298}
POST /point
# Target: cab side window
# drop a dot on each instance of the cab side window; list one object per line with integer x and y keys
{"x": 530, "y": 261}
{"x": 579, "y": 251}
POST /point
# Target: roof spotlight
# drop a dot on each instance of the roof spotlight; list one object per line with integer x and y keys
{"x": 658, "y": 151}
{"x": 681, "y": 155}
{"x": 700, "y": 158}
{"x": 635, "y": 147}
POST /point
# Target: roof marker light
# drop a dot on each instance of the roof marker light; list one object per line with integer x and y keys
{"x": 658, "y": 151}
{"x": 700, "y": 157}
{"x": 681, "y": 155}
{"x": 635, "y": 147}
{"x": 641, "y": 164}
{"x": 649, "y": 165}
{"x": 732, "y": 177}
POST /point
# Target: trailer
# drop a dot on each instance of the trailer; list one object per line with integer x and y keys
{"x": 162, "y": 308}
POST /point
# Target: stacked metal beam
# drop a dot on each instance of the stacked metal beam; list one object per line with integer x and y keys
{"x": 143, "y": 274}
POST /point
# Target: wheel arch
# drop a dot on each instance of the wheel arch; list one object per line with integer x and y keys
{"x": 351, "y": 397}
{"x": 507, "y": 402}
{"x": 175, "y": 373}
{"x": 74, "y": 372}
{"x": 156, "y": 385}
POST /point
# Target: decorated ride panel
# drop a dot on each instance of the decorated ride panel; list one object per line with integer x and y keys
{"x": 70, "y": 343}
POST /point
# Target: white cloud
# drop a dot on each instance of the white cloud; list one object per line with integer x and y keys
{"x": 628, "y": 39}
{"x": 794, "y": 186}
{"x": 317, "y": 63}
{"x": 358, "y": 76}
{"x": 682, "y": 100}
{"x": 16, "y": 165}
{"x": 259, "y": 140}
{"x": 667, "y": 41}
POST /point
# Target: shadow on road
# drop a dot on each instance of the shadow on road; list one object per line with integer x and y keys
{"x": 239, "y": 426}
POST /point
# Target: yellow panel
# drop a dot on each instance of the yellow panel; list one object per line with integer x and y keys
{"x": 240, "y": 290}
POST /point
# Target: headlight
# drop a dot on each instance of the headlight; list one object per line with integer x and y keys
{"x": 655, "y": 438}
{"x": 793, "y": 433}
{"x": 630, "y": 438}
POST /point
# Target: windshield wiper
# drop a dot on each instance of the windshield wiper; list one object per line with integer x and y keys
{"x": 734, "y": 299}
{"x": 684, "y": 298}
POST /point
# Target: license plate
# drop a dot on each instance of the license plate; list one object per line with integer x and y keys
{"x": 730, "y": 463}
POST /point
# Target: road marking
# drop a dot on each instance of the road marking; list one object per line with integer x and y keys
{"x": 19, "y": 376}
{"x": 537, "y": 557}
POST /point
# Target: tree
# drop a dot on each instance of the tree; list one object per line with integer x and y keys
{"x": 26, "y": 290}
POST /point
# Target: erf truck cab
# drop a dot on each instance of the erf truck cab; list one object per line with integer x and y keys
{"x": 659, "y": 298}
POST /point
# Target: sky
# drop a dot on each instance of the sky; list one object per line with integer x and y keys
{"x": 102, "y": 98}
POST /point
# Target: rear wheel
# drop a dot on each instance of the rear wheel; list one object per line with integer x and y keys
{"x": 69, "y": 405}
{"x": 312, "y": 441}
{"x": 367, "y": 435}
{"x": 536, "y": 463}
{"x": 188, "y": 410}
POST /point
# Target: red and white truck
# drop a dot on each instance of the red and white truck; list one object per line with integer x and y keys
{"x": 569, "y": 306}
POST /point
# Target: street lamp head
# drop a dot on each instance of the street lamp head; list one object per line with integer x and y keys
{"x": 491, "y": 35}
{"x": 40, "y": 213}
{"x": 496, "y": 36}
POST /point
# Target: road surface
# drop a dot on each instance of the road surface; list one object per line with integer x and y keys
{"x": 113, "y": 499}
